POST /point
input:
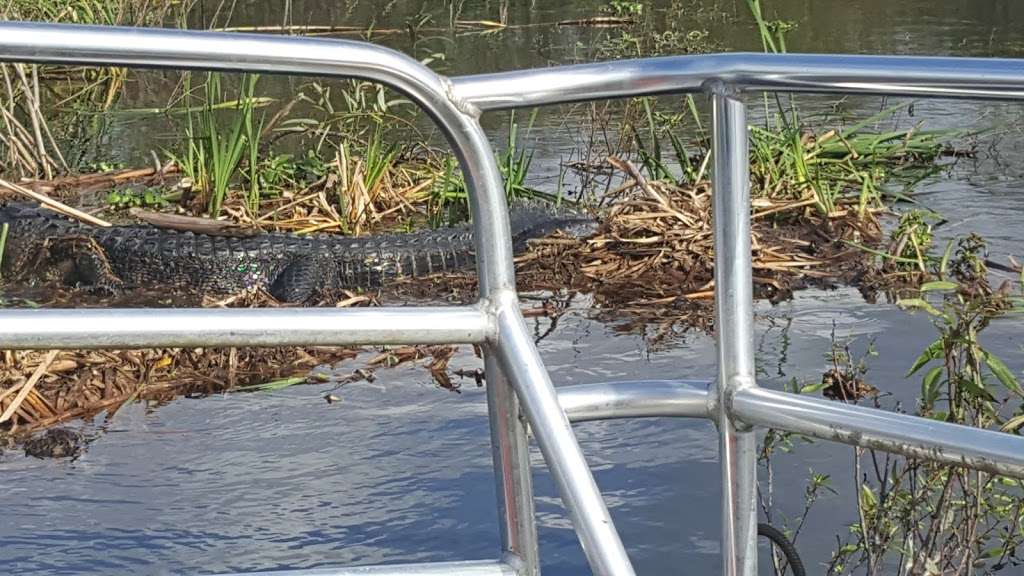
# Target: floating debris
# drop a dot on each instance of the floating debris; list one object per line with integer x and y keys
{"x": 56, "y": 443}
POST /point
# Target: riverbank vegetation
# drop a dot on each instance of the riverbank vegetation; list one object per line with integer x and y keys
{"x": 351, "y": 157}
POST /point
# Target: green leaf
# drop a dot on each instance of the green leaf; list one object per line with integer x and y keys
{"x": 975, "y": 389}
{"x": 993, "y": 552}
{"x": 918, "y": 303}
{"x": 1002, "y": 372}
{"x": 930, "y": 386}
{"x": 939, "y": 285}
{"x": 933, "y": 351}
{"x": 867, "y": 497}
{"x": 812, "y": 388}
{"x": 274, "y": 384}
{"x": 944, "y": 265}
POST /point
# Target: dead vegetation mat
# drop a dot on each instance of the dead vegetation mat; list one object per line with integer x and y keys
{"x": 652, "y": 258}
{"x": 651, "y": 262}
{"x": 41, "y": 389}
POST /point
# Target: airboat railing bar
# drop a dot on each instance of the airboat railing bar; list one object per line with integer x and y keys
{"x": 986, "y": 450}
{"x": 635, "y": 399}
{"x": 913, "y": 436}
{"x": 983, "y": 78}
{"x": 194, "y": 327}
{"x": 458, "y": 121}
{"x": 510, "y": 452}
{"x": 734, "y": 328}
{"x": 522, "y": 364}
{"x": 469, "y": 568}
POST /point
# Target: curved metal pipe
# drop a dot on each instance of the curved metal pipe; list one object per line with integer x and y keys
{"x": 470, "y": 568}
{"x": 993, "y": 78}
{"x": 635, "y": 399}
{"x": 522, "y": 364}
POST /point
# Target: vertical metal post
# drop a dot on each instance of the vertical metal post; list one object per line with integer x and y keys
{"x": 521, "y": 362}
{"x": 521, "y": 367}
{"x": 514, "y": 484}
{"x": 734, "y": 324}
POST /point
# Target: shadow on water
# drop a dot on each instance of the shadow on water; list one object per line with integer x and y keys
{"x": 400, "y": 471}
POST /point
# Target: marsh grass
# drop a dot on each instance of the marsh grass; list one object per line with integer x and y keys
{"x": 215, "y": 146}
{"x": 27, "y": 117}
{"x": 833, "y": 166}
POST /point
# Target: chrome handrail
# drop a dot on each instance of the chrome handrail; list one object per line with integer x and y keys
{"x": 518, "y": 384}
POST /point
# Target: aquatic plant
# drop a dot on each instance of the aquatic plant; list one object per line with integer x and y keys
{"x": 933, "y": 518}
{"x": 919, "y": 517}
{"x": 849, "y": 165}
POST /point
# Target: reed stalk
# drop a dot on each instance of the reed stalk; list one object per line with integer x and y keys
{"x": 3, "y": 245}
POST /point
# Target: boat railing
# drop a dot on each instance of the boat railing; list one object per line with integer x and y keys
{"x": 519, "y": 390}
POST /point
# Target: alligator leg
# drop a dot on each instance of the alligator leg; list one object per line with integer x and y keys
{"x": 304, "y": 279}
{"x": 90, "y": 267}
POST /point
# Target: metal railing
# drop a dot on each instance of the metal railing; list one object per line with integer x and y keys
{"x": 519, "y": 389}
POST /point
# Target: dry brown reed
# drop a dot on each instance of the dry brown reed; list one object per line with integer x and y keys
{"x": 27, "y": 141}
{"x": 78, "y": 384}
{"x": 653, "y": 256}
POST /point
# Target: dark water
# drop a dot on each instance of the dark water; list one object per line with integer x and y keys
{"x": 400, "y": 471}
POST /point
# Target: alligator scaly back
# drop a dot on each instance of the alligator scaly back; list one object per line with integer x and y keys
{"x": 292, "y": 268}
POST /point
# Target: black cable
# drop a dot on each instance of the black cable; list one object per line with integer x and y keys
{"x": 788, "y": 550}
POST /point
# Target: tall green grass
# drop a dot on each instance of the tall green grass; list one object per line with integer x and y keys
{"x": 216, "y": 145}
{"x": 515, "y": 161}
{"x": 449, "y": 198}
{"x": 791, "y": 163}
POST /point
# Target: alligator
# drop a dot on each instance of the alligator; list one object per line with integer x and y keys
{"x": 290, "y": 267}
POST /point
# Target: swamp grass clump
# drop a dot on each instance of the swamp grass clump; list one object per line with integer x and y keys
{"x": 825, "y": 169}
{"x": 215, "y": 148}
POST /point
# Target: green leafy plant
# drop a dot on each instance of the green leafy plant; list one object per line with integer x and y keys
{"x": 927, "y": 518}
{"x": 151, "y": 197}
{"x": 624, "y": 8}
{"x": 961, "y": 370}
